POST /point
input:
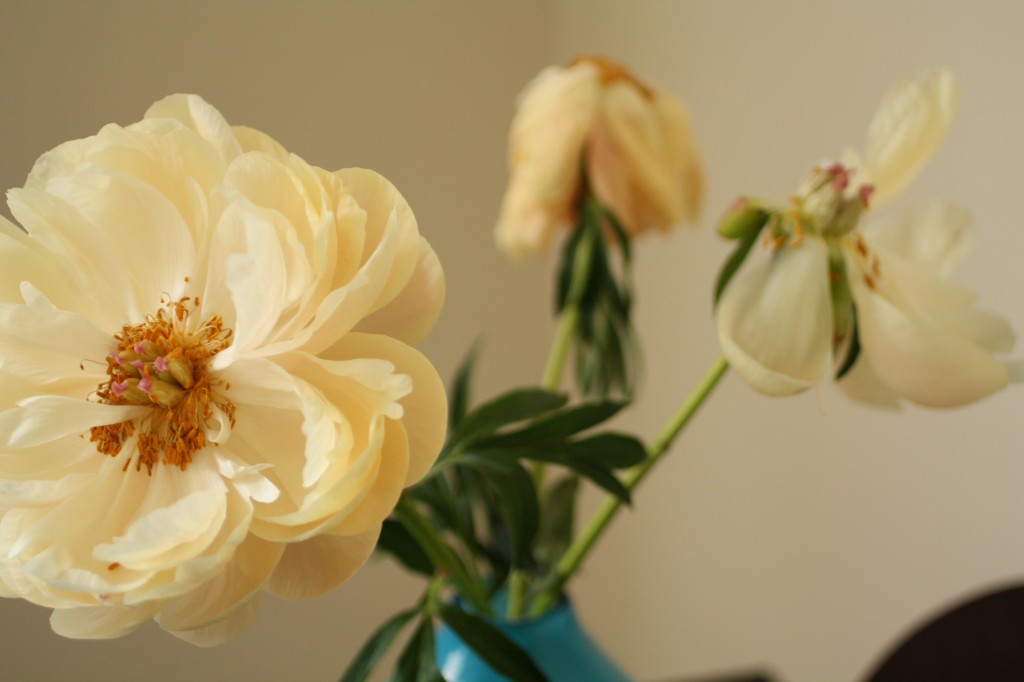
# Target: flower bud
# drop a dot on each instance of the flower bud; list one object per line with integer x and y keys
{"x": 745, "y": 216}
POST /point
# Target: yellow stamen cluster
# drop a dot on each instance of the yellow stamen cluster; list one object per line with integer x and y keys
{"x": 162, "y": 363}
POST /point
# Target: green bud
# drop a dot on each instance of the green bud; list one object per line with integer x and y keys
{"x": 744, "y": 217}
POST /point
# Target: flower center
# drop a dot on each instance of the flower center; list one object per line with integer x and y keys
{"x": 830, "y": 204}
{"x": 163, "y": 363}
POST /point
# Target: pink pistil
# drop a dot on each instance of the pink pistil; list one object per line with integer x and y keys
{"x": 118, "y": 388}
{"x": 160, "y": 364}
{"x": 865, "y": 191}
{"x": 146, "y": 384}
{"x": 140, "y": 348}
{"x": 138, "y": 364}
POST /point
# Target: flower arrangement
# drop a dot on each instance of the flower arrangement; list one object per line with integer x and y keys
{"x": 243, "y": 409}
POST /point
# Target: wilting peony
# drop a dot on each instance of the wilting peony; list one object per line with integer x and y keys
{"x": 593, "y": 125}
{"x": 791, "y": 320}
{"x": 207, "y": 379}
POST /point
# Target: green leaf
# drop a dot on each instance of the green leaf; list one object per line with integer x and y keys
{"x": 491, "y": 645}
{"x": 619, "y": 232}
{"x": 517, "y": 500}
{"x": 735, "y": 260}
{"x": 601, "y": 476}
{"x": 854, "y": 350}
{"x": 615, "y": 450}
{"x": 396, "y": 540}
{"x": 511, "y": 407}
{"x": 417, "y": 662}
{"x": 459, "y": 392}
{"x": 556, "y": 427}
{"x": 558, "y": 509}
{"x": 369, "y": 656}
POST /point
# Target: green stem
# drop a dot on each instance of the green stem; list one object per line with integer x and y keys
{"x": 555, "y": 368}
{"x": 516, "y": 594}
{"x": 443, "y": 556}
{"x": 582, "y": 545}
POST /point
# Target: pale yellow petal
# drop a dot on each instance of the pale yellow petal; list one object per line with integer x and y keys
{"x": 775, "y": 322}
{"x": 907, "y": 129}
{"x": 319, "y": 564}
{"x": 920, "y": 361}
{"x": 101, "y": 622}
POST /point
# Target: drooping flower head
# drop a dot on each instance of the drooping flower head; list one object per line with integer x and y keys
{"x": 208, "y": 384}
{"x": 870, "y": 304}
{"x": 593, "y": 126}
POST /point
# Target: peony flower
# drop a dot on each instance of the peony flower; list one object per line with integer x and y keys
{"x": 207, "y": 379}
{"x": 594, "y": 126}
{"x": 831, "y": 287}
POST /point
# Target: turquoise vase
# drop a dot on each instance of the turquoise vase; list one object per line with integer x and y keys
{"x": 556, "y": 642}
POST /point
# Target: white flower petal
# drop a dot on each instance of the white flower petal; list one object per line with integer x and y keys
{"x": 937, "y": 236}
{"x": 910, "y": 124}
{"x": 775, "y": 323}
{"x": 920, "y": 361}
{"x": 863, "y": 383}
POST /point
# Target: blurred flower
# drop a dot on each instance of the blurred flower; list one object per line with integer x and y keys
{"x": 833, "y": 292}
{"x": 207, "y": 382}
{"x": 593, "y": 126}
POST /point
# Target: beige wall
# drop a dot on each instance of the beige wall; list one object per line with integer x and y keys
{"x": 800, "y": 534}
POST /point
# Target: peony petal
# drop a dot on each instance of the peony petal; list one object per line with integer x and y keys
{"x": 319, "y": 564}
{"x": 101, "y": 622}
{"x": 554, "y": 114}
{"x": 44, "y": 345}
{"x": 381, "y": 498}
{"x": 177, "y": 519}
{"x": 910, "y": 124}
{"x": 425, "y": 409}
{"x": 937, "y": 236}
{"x": 411, "y": 314}
{"x": 386, "y": 210}
{"x": 223, "y": 630}
{"x": 775, "y": 323}
{"x": 198, "y": 115}
{"x": 43, "y": 419}
{"x": 253, "y": 562}
{"x": 252, "y": 140}
{"x": 920, "y": 361}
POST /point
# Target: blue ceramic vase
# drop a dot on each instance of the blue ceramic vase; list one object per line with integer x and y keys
{"x": 556, "y": 641}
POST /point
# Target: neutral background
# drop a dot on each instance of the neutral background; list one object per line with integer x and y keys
{"x": 799, "y": 536}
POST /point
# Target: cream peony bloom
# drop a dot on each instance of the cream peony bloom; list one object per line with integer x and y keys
{"x": 207, "y": 379}
{"x": 830, "y": 284}
{"x": 593, "y": 124}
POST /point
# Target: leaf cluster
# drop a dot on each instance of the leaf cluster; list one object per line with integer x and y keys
{"x": 482, "y": 500}
{"x": 595, "y": 278}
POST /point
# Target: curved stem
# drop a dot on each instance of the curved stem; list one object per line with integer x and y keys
{"x": 582, "y": 545}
